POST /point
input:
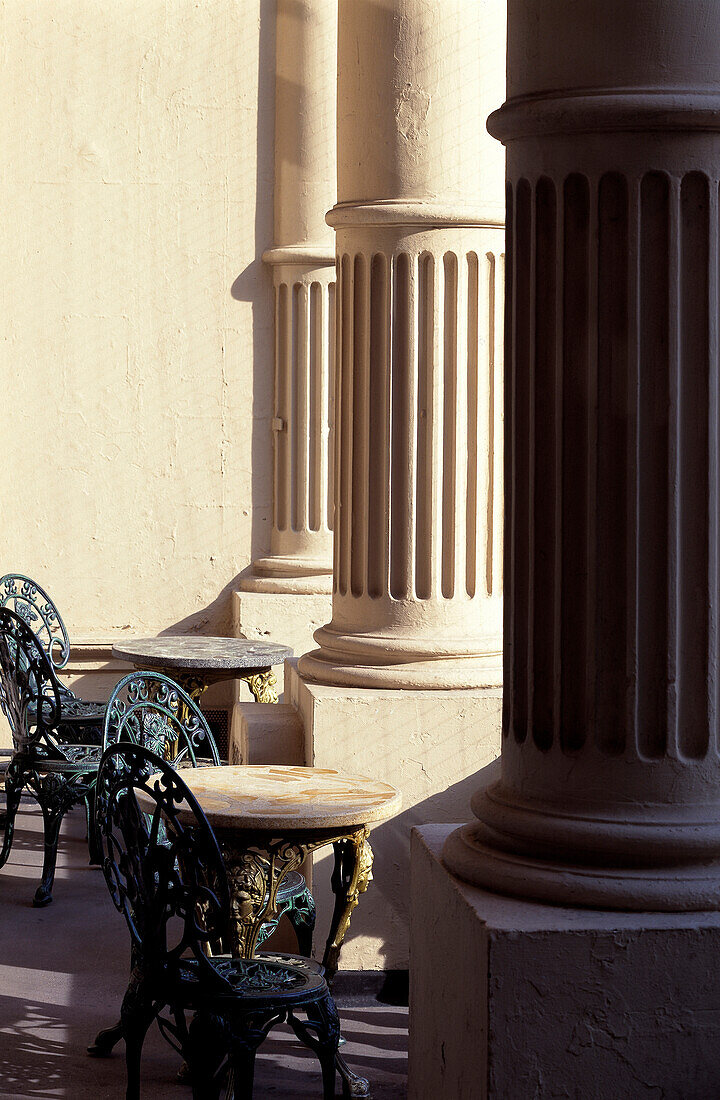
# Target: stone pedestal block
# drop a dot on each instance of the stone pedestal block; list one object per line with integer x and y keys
{"x": 513, "y": 1000}
{"x": 266, "y": 733}
{"x": 428, "y": 744}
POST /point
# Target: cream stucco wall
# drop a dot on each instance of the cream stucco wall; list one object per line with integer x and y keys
{"x": 135, "y": 313}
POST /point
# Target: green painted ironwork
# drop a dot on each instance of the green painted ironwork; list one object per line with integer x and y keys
{"x": 58, "y": 773}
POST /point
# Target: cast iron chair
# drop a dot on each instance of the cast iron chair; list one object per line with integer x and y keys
{"x": 150, "y": 709}
{"x": 81, "y": 720}
{"x": 59, "y": 774}
{"x": 166, "y": 875}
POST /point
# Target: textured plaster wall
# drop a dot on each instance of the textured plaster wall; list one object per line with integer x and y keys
{"x": 137, "y": 168}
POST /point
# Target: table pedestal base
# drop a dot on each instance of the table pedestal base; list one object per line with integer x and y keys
{"x": 257, "y": 865}
{"x": 262, "y": 685}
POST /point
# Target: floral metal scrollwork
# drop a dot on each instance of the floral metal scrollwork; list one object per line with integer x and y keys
{"x": 150, "y": 709}
{"x": 263, "y": 686}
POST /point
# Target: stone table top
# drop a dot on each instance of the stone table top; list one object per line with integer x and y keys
{"x": 283, "y": 797}
{"x": 196, "y": 653}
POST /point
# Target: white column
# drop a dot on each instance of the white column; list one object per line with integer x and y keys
{"x": 610, "y": 788}
{"x": 303, "y": 264}
{"x": 418, "y": 466}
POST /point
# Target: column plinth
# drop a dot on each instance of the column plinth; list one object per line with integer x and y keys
{"x": 610, "y": 788}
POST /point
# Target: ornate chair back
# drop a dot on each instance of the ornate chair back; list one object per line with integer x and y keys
{"x": 29, "y": 696}
{"x": 161, "y": 860}
{"x": 32, "y": 603}
{"x": 149, "y": 709}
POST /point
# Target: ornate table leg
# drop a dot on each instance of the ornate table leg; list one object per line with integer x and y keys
{"x": 263, "y": 686}
{"x": 353, "y": 871}
{"x": 255, "y": 874}
{"x": 190, "y": 682}
{"x": 350, "y": 878}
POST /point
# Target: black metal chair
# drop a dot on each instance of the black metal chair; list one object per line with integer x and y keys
{"x": 58, "y": 773}
{"x": 150, "y": 709}
{"x": 166, "y": 875}
{"x": 81, "y": 720}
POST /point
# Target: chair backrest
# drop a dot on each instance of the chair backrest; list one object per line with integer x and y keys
{"x": 32, "y": 603}
{"x": 29, "y": 695}
{"x": 161, "y": 860}
{"x": 150, "y": 709}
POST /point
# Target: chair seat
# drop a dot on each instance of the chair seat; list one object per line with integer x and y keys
{"x": 269, "y": 980}
{"x": 77, "y": 758}
{"x": 292, "y": 886}
{"x": 73, "y": 709}
{"x": 77, "y": 711}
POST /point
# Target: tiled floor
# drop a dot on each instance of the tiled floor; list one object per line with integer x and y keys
{"x": 62, "y": 975}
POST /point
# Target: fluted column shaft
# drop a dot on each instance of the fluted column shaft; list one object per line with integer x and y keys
{"x": 418, "y": 465}
{"x": 303, "y": 264}
{"x": 610, "y": 789}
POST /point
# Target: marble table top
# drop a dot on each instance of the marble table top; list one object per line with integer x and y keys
{"x": 270, "y": 796}
{"x": 195, "y": 652}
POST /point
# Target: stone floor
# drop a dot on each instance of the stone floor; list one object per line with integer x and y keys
{"x": 62, "y": 974}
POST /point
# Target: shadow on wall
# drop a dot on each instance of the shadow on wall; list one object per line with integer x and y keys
{"x": 214, "y": 619}
{"x": 450, "y": 806}
{"x": 254, "y": 285}
{"x": 388, "y": 913}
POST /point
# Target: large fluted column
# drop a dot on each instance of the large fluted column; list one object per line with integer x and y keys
{"x": 417, "y": 576}
{"x": 303, "y": 263}
{"x": 610, "y": 789}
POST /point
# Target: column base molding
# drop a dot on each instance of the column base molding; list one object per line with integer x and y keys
{"x": 388, "y": 661}
{"x": 509, "y": 998}
{"x": 670, "y": 883}
{"x": 439, "y": 674}
{"x": 275, "y": 574}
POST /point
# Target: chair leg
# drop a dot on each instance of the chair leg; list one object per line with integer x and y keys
{"x": 247, "y": 1032}
{"x": 53, "y": 814}
{"x": 14, "y": 782}
{"x": 302, "y": 918}
{"x": 205, "y": 1052}
{"x": 105, "y": 1040}
{"x": 136, "y": 1015}
{"x": 94, "y": 847}
{"x": 321, "y": 1033}
{"x": 242, "y": 1068}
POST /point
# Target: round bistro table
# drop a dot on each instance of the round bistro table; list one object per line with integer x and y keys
{"x": 269, "y": 818}
{"x": 195, "y": 662}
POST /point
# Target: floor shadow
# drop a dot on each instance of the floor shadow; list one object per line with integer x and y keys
{"x": 32, "y": 1047}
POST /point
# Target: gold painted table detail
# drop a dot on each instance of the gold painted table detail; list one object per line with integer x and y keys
{"x": 269, "y": 818}
{"x": 195, "y": 662}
